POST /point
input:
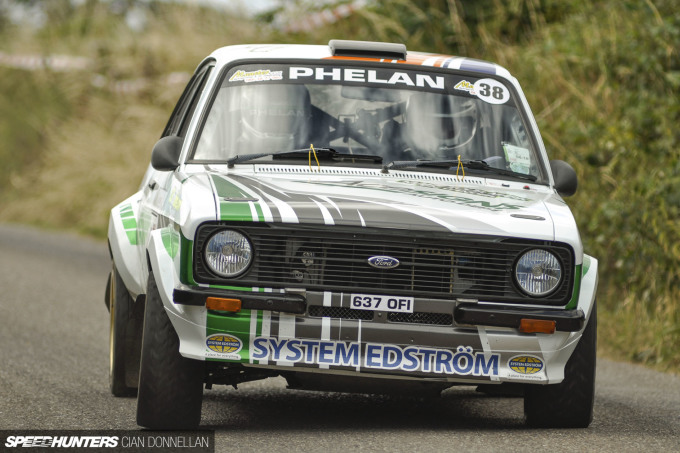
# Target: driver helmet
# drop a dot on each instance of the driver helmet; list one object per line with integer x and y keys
{"x": 275, "y": 117}
{"x": 433, "y": 122}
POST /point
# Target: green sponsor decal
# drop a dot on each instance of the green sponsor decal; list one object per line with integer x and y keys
{"x": 228, "y": 335}
{"x": 127, "y": 216}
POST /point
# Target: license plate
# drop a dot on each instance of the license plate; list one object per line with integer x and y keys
{"x": 382, "y": 303}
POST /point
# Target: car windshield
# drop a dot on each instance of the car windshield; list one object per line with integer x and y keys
{"x": 397, "y": 114}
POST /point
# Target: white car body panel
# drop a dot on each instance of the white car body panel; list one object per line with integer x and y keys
{"x": 168, "y": 216}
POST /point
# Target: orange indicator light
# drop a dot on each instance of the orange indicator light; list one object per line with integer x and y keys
{"x": 536, "y": 326}
{"x": 219, "y": 304}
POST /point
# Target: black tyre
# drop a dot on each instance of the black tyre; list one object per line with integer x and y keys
{"x": 124, "y": 337}
{"x": 570, "y": 403}
{"x": 170, "y": 386}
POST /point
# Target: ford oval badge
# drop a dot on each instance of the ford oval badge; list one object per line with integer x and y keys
{"x": 383, "y": 262}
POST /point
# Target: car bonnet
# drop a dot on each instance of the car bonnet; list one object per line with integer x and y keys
{"x": 400, "y": 200}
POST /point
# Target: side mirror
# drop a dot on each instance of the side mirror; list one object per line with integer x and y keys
{"x": 165, "y": 154}
{"x": 565, "y": 178}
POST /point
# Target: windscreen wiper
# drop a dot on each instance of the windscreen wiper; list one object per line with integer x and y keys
{"x": 450, "y": 163}
{"x": 319, "y": 153}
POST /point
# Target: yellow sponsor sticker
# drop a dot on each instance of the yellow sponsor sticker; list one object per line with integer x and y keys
{"x": 222, "y": 343}
{"x": 525, "y": 364}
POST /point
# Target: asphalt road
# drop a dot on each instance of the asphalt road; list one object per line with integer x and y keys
{"x": 53, "y": 375}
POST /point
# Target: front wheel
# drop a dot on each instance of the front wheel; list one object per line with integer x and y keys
{"x": 170, "y": 386}
{"x": 570, "y": 403}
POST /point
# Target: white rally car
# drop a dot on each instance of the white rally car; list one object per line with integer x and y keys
{"x": 351, "y": 217}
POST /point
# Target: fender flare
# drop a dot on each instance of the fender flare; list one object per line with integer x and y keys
{"x": 589, "y": 281}
{"x": 123, "y": 244}
{"x": 189, "y": 321}
{"x": 586, "y": 302}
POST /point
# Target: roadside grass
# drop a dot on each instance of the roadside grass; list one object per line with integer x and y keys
{"x": 88, "y": 166}
{"x": 629, "y": 332}
{"x": 22, "y": 127}
{"x": 78, "y": 142}
{"x": 603, "y": 79}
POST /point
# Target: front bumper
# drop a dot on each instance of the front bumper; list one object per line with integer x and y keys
{"x": 487, "y": 315}
{"x": 281, "y": 302}
{"x": 443, "y": 341}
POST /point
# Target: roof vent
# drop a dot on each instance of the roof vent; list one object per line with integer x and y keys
{"x": 367, "y": 49}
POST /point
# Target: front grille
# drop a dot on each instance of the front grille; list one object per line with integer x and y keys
{"x": 433, "y": 319}
{"x": 316, "y": 311}
{"x": 336, "y": 259}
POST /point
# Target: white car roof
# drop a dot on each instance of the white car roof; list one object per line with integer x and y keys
{"x": 226, "y": 55}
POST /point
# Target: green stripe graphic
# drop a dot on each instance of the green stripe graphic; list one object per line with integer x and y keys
{"x": 226, "y": 189}
{"x": 235, "y": 210}
{"x": 127, "y": 216}
{"x": 170, "y": 241}
{"x": 573, "y": 303}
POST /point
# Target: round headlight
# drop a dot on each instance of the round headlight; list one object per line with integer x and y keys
{"x": 228, "y": 253}
{"x": 538, "y": 272}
